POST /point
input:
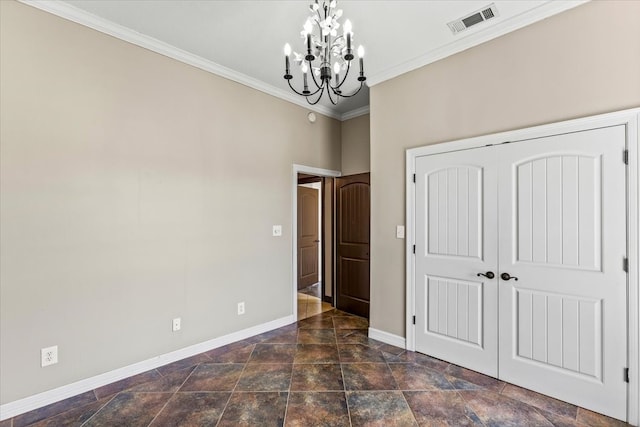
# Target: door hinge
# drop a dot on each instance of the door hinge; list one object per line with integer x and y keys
{"x": 414, "y": 322}
{"x": 414, "y": 249}
{"x": 625, "y": 157}
{"x": 625, "y": 264}
{"x": 414, "y": 177}
{"x": 626, "y": 375}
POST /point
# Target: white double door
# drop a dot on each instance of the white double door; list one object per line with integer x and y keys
{"x": 549, "y": 216}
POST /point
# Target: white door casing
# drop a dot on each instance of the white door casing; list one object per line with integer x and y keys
{"x": 296, "y": 169}
{"x": 563, "y": 324}
{"x": 456, "y": 220}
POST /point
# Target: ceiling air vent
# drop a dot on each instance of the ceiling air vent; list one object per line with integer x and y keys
{"x": 484, "y": 14}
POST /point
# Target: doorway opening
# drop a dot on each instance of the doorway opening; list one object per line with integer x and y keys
{"x": 314, "y": 243}
{"x": 331, "y": 247}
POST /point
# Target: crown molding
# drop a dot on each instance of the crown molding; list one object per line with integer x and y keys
{"x": 475, "y": 38}
{"x": 79, "y": 16}
{"x": 355, "y": 113}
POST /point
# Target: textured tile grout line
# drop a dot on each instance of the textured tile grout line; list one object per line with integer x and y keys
{"x": 236, "y": 385}
{"x": 466, "y": 405}
{"x": 99, "y": 409}
{"x": 175, "y": 392}
{"x": 344, "y": 381}
{"x": 409, "y": 406}
{"x": 162, "y": 409}
{"x": 286, "y": 405}
{"x": 225, "y": 408}
{"x": 541, "y": 413}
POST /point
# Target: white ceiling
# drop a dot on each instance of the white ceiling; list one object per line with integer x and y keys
{"x": 243, "y": 40}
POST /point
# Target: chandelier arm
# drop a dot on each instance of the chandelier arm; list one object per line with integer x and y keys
{"x": 300, "y": 93}
{"x": 329, "y": 90}
{"x": 317, "y": 99}
{"x": 344, "y": 79}
{"x": 313, "y": 76}
{"x": 354, "y": 93}
{"x": 294, "y": 89}
{"x": 311, "y": 94}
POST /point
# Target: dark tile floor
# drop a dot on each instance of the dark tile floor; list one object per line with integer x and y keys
{"x": 322, "y": 371}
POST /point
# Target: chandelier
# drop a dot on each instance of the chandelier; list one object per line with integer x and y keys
{"x": 333, "y": 53}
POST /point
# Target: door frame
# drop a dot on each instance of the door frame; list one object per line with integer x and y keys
{"x": 629, "y": 118}
{"x": 294, "y": 223}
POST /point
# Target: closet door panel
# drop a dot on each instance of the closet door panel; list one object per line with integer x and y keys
{"x": 456, "y": 238}
{"x": 562, "y": 235}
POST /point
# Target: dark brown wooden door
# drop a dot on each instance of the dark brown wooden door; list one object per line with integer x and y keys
{"x": 307, "y": 236}
{"x": 352, "y": 244}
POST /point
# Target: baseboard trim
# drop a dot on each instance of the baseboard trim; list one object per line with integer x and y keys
{"x": 387, "y": 338}
{"x": 17, "y": 407}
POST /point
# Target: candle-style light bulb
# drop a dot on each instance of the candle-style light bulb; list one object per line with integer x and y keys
{"x": 361, "y": 55}
{"x": 305, "y": 69}
{"x": 360, "y": 51}
{"x": 347, "y": 34}
{"x": 308, "y": 27}
{"x": 336, "y": 72}
{"x": 347, "y": 26}
{"x": 287, "y": 52}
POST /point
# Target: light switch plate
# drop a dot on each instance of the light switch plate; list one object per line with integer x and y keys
{"x": 277, "y": 230}
{"x": 400, "y": 232}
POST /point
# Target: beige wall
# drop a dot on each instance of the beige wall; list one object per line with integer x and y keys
{"x": 135, "y": 189}
{"x": 355, "y": 145}
{"x": 582, "y": 62}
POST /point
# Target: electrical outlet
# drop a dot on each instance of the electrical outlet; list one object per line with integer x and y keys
{"x": 240, "y": 308}
{"x": 176, "y": 324}
{"x": 49, "y": 356}
{"x": 277, "y": 231}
